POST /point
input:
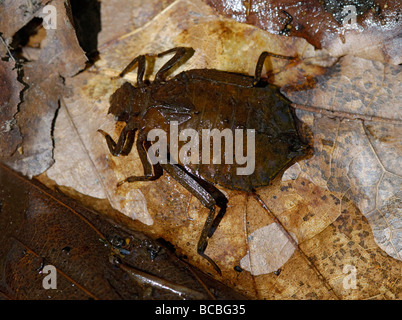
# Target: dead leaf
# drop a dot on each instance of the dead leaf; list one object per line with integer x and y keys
{"x": 349, "y": 242}
{"x": 10, "y": 136}
{"x": 136, "y": 14}
{"x": 16, "y": 14}
{"x": 59, "y": 58}
{"x": 41, "y": 228}
{"x": 355, "y": 87}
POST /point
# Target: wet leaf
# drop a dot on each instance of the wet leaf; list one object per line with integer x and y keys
{"x": 41, "y": 228}
{"x": 370, "y": 32}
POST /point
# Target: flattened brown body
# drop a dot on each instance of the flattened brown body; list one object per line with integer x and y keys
{"x": 202, "y": 99}
{"x": 219, "y": 100}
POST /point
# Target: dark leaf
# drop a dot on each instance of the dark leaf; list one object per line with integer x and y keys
{"x": 94, "y": 258}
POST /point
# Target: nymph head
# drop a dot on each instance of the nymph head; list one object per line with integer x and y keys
{"x": 126, "y": 102}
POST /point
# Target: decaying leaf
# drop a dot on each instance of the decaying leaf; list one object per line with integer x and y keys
{"x": 359, "y": 158}
{"x": 10, "y": 89}
{"x": 60, "y": 57}
{"x": 360, "y": 161}
{"x": 355, "y": 86}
